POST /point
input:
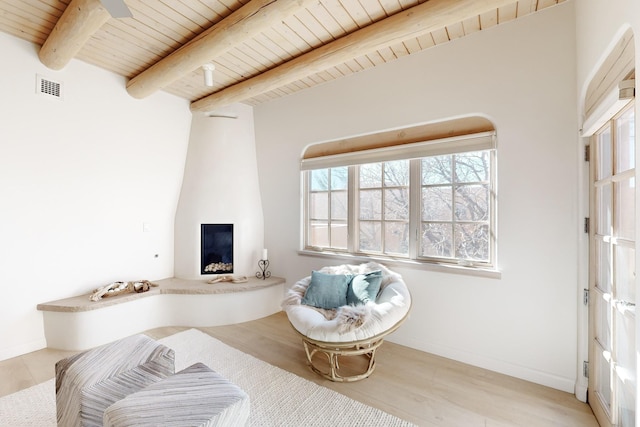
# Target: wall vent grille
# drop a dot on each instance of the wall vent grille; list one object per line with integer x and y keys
{"x": 48, "y": 87}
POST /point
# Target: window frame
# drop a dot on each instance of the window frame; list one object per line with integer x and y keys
{"x": 308, "y": 192}
{"x": 491, "y": 221}
{"x": 414, "y": 152}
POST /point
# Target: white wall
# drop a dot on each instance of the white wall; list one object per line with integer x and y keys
{"x": 78, "y": 178}
{"x": 522, "y": 76}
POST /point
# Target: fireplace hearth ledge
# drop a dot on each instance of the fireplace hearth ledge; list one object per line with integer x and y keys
{"x": 78, "y": 324}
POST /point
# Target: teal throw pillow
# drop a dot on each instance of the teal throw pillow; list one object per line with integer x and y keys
{"x": 364, "y": 288}
{"x": 327, "y": 291}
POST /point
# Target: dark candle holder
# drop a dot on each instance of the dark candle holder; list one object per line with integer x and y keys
{"x": 263, "y": 264}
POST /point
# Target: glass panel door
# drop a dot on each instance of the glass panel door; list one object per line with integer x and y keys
{"x": 612, "y": 376}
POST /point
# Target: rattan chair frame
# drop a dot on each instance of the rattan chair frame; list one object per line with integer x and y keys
{"x": 333, "y": 350}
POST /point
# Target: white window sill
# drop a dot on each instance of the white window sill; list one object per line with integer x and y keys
{"x": 428, "y": 266}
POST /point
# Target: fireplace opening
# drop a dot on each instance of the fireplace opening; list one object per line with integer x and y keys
{"x": 217, "y": 248}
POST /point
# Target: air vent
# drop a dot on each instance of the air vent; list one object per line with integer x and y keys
{"x": 48, "y": 87}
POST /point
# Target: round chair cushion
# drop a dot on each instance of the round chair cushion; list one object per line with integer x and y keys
{"x": 375, "y": 318}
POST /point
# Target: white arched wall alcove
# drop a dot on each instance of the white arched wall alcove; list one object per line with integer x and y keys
{"x": 600, "y": 98}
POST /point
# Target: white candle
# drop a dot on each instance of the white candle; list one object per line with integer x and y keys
{"x": 264, "y": 254}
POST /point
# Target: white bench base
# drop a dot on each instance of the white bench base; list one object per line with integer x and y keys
{"x": 78, "y": 324}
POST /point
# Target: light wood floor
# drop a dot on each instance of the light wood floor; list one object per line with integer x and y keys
{"x": 419, "y": 387}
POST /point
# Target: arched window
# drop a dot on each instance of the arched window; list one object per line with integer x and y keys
{"x": 423, "y": 194}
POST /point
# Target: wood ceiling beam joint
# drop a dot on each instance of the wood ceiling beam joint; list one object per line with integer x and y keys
{"x": 243, "y": 24}
{"x": 79, "y": 21}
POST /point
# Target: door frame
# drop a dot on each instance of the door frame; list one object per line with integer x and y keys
{"x": 604, "y": 418}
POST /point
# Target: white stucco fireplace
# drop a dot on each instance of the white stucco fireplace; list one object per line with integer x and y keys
{"x": 216, "y": 190}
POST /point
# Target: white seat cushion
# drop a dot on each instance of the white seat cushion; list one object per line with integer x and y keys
{"x": 391, "y": 306}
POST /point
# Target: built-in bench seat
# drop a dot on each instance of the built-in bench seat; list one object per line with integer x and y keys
{"x": 78, "y": 323}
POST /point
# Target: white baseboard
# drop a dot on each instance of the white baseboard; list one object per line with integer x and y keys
{"x": 581, "y": 392}
{"x": 11, "y": 352}
{"x": 557, "y": 382}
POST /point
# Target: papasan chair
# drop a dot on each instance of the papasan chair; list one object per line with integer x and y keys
{"x": 346, "y": 311}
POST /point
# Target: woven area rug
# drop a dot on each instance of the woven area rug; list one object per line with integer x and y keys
{"x": 278, "y": 397}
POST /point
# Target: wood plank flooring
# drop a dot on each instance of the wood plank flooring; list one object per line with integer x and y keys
{"x": 419, "y": 387}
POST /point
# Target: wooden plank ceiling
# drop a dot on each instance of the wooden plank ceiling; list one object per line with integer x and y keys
{"x": 306, "y": 45}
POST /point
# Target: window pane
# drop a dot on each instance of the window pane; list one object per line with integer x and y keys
{"x": 371, "y": 175}
{"x": 339, "y": 178}
{"x": 625, "y": 344}
{"x": 603, "y": 145}
{"x": 603, "y": 266}
{"x": 338, "y": 205}
{"x": 625, "y": 142}
{"x": 319, "y": 234}
{"x": 371, "y": 204}
{"x": 320, "y": 180}
{"x": 604, "y": 205}
{"x": 603, "y": 327}
{"x": 472, "y": 203}
{"x": 472, "y": 167}
{"x": 396, "y": 203}
{"x": 396, "y": 173}
{"x": 472, "y": 241}
{"x": 436, "y": 204}
{"x": 370, "y": 236}
{"x": 626, "y": 403}
{"x": 447, "y": 205}
{"x": 603, "y": 376}
{"x": 339, "y": 235}
{"x": 625, "y": 366}
{"x": 625, "y": 273}
{"x": 436, "y": 240}
{"x": 396, "y": 238}
{"x": 625, "y": 210}
{"x": 319, "y": 205}
{"x": 436, "y": 170}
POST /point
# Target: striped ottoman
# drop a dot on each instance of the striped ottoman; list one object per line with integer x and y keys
{"x": 89, "y": 382}
{"x": 195, "y": 396}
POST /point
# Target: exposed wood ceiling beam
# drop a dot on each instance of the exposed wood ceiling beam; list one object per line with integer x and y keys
{"x": 77, "y": 24}
{"x": 414, "y": 22}
{"x": 246, "y": 22}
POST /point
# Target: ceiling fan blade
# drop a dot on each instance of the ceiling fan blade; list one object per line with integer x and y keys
{"x": 117, "y": 8}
